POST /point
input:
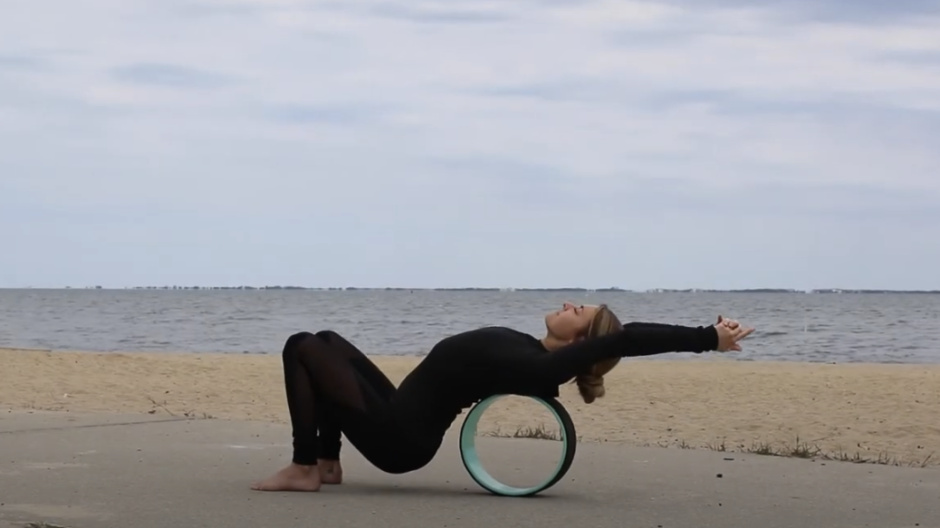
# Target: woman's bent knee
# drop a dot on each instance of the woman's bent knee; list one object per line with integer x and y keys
{"x": 339, "y": 343}
{"x": 295, "y": 341}
{"x": 331, "y": 337}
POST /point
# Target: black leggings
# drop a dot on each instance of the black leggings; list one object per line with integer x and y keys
{"x": 334, "y": 389}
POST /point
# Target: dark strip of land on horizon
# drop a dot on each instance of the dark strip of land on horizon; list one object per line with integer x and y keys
{"x": 471, "y": 289}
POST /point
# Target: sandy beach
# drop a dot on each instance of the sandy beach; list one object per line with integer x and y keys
{"x": 887, "y": 412}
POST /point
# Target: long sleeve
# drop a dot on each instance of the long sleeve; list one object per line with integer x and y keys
{"x": 641, "y": 324}
{"x": 498, "y": 360}
{"x": 633, "y": 341}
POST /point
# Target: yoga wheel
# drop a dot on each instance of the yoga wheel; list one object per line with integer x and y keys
{"x": 471, "y": 459}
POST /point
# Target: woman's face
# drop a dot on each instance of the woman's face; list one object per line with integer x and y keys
{"x": 570, "y": 322}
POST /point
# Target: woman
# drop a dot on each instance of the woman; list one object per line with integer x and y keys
{"x": 333, "y": 388}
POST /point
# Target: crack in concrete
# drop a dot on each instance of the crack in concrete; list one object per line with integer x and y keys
{"x": 88, "y": 426}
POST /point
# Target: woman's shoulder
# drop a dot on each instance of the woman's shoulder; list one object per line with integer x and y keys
{"x": 493, "y": 335}
{"x": 475, "y": 346}
{"x": 500, "y": 331}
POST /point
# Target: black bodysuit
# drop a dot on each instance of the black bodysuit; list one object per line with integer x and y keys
{"x": 334, "y": 389}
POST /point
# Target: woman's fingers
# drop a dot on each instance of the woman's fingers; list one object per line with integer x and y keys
{"x": 738, "y": 335}
{"x": 730, "y": 323}
{"x": 733, "y": 330}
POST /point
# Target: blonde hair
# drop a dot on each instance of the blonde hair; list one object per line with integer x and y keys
{"x": 591, "y": 384}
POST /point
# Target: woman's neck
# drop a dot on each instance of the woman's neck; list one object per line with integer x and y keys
{"x": 552, "y": 343}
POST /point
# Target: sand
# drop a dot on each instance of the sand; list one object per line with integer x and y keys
{"x": 889, "y": 413}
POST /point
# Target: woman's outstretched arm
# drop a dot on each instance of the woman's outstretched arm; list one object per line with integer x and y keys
{"x": 633, "y": 341}
{"x": 641, "y": 324}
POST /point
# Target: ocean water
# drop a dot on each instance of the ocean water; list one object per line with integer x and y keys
{"x": 838, "y": 328}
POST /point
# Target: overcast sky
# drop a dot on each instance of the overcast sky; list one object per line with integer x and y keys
{"x": 680, "y": 143}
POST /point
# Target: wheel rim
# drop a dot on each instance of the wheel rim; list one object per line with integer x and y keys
{"x": 471, "y": 459}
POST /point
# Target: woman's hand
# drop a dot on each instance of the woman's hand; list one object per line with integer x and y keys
{"x": 729, "y": 333}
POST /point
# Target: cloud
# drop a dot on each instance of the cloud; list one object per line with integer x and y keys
{"x": 874, "y": 12}
{"x": 929, "y": 58}
{"x": 468, "y": 142}
{"x": 19, "y": 62}
{"x": 438, "y": 15}
{"x": 336, "y": 113}
{"x": 168, "y": 75}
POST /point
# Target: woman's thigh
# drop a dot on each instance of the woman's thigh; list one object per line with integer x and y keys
{"x": 380, "y": 428}
{"x": 385, "y": 442}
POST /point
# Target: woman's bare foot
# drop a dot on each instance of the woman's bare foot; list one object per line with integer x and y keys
{"x": 331, "y": 472}
{"x": 292, "y": 478}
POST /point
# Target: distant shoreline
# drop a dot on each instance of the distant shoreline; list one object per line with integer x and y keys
{"x": 823, "y": 291}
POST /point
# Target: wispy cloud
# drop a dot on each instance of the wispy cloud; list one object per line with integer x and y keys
{"x": 439, "y": 14}
{"x": 19, "y": 62}
{"x": 874, "y": 12}
{"x": 168, "y": 75}
{"x": 335, "y": 113}
{"x": 919, "y": 57}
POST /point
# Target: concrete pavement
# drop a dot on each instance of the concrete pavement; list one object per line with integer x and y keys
{"x": 151, "y": 471}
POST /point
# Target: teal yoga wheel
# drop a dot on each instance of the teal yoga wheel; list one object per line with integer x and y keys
{"x": 471, "y": 460}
